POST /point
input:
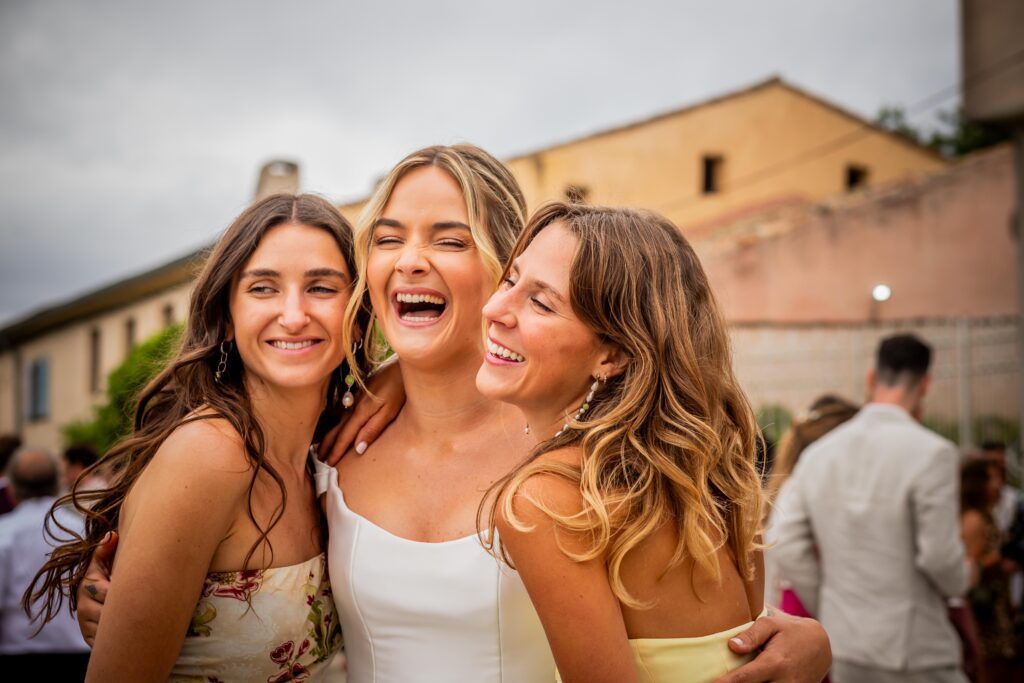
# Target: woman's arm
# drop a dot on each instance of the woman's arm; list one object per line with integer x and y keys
{"x": 580, "y": 614}
{"x": 92, "y": 591}
{"x": 973, "y": 532}
{"x": 183, "y": 505}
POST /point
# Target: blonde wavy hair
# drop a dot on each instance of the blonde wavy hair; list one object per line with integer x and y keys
{"x": 672, "y": 439}
{"x": 494, "y": 202}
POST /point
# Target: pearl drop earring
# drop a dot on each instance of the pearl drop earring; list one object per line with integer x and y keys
{"x": 583, "y": 408}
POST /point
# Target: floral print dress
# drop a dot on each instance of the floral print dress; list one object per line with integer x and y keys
{"x": 271, "y": 625}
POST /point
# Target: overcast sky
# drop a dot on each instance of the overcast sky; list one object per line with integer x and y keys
{"x": 132, "y": 132}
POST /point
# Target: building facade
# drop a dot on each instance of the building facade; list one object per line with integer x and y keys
{"x": 710, "y": 167}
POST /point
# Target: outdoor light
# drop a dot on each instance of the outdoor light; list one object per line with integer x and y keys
{"x": 881, "y": 293}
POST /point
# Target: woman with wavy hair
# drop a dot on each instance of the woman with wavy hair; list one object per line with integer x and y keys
{"x": 637, "y": 512}
{"x": 220, "y": 570}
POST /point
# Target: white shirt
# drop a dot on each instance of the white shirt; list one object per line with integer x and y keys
{"x": 23, "y": 550}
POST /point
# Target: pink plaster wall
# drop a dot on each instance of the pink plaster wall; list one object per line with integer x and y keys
{"x": 941, "y": 242}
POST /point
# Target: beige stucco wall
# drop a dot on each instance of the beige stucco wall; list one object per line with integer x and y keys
{"x": 67, "y": 351}
{"x": 8, "y": 424}
{"x": 760, "y": 133}
{"x": 943, "y": 245}
{"x": 657, "y": 164}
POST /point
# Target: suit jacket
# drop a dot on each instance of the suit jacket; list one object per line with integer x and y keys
{"x": 869, "y": 537}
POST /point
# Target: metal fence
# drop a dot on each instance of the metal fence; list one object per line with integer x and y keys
{"x": 974, "y": 395}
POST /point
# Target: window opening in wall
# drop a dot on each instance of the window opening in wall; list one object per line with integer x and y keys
{"x": 39, "y": 390}
{"x": 712, "y": 173}
{"x": 576, "y": 194}
{"x": 168, "y": 315}
{"x": 856, "y": 176}
{"x": 94, "y": 360}
{"x": 129, "y": 335}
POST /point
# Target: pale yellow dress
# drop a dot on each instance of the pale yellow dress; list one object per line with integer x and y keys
{"x": 273, "y": 625}
{"x": 686, "y": 660}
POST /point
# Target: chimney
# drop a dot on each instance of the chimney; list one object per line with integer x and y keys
{"x": 277, "y": 176}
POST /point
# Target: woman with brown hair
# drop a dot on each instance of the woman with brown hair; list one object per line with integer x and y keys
{"x": 989, "y": 598}
{"x": 826, "y": 413}
{"x": 220, "y": 570}
{"x": 637, "y": 511}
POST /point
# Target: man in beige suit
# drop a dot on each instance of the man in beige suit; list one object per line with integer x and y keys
{"x": 869, "y": 534}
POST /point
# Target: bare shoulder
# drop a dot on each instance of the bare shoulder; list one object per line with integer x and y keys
{"x": 972, "y": 522}
{"x": 549, "y": 486}
{"x": 203, "y": 453}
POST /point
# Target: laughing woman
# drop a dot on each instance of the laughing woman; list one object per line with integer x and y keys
{"x": 637, "y": 512}
{"x": 220, "y": 572}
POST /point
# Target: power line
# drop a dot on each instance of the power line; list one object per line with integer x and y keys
{"x": 924, "y": 104}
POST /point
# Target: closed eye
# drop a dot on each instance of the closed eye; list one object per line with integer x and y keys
{"x": 384, "y": 240}
{"x": 540, "y": 305}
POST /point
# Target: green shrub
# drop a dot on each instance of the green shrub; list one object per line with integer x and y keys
{"x": 114, "y": 418}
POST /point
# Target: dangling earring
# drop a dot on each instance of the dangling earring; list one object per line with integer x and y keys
{"x": 348, "y": 400}
{"x": 585, "y": 407}
{"x": 222, "y": 364}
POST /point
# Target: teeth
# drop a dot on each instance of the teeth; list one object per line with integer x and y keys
{"x": 501, "y": 351}
{"x": 420, "y": 298}
{"x": 292, "y": 345}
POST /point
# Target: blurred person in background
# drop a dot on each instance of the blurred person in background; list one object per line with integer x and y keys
{"x": 989, "y": 598}
{"x": 868, "y": 536}
{"x": 58, "y": 652}
{"x": 77, "y": 458}
{"x": 826, "y": 413}
{"x": 1008, "y": 515}
{"x": 1007, "y": 506}
{"x": 9, "y": 443}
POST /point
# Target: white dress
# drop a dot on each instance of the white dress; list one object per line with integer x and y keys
{"x": 412, "y": 611}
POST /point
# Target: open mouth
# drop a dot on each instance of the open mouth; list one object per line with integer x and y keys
{"x": 500, "y": 352}
{"x": 417, "y": 307}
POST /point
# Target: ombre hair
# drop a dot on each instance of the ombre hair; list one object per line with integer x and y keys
{"x": 187, "y": 390}
{"x": 494, "y": 202}
{"x": 672, "y": 439}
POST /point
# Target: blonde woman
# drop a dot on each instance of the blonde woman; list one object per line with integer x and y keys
{"x": 637, "y": 511}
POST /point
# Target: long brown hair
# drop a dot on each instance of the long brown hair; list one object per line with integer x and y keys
{"x": 672, "y": 439}
{"x": 187, "y": 390}
{"x": 494, "y": 202}
{"x": 827, "y": 412}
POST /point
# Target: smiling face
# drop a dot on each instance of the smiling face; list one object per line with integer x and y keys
{"x": 541, "y": 356}
{"x": 287, "y": 308}
{"x": 427, "y": 280}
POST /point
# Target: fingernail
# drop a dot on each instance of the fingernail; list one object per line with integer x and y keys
{"x": 738, "y": 642}
{"x": 361, "y": 447}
